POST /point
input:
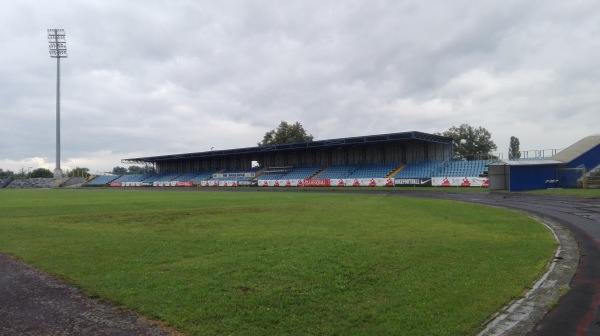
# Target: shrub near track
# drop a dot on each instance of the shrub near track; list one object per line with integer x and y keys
{"x": 213, "y": 263}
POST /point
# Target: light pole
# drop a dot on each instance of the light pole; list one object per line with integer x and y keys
{"x": 58, "y": 49}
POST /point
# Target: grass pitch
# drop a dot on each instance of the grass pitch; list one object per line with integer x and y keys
{"x": 220, "y": 263}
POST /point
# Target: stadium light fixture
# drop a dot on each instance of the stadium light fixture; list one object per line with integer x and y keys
{"x": 58, "y": 49}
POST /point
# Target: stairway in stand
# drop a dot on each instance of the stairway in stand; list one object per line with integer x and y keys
{"x": 593, "y": 180}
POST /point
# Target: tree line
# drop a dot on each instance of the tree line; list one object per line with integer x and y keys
{"x": 76, "y": 172}
{"x": 38, "y": 172}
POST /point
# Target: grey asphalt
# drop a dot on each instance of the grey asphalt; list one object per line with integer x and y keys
{"x": 37, "y": 304}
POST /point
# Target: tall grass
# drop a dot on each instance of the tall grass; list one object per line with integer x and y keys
{"x": 216, "y": 263}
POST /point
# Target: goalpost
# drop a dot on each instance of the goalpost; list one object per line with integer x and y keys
{"x": 571, "y": 178}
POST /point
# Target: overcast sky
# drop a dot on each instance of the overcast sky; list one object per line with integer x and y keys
{"x": 147, "y": 78}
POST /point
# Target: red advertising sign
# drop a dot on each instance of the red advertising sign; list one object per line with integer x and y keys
{"x": 115, "y": 184}
{"x": 465, "y": 182}
{"x": 317, "y": 183}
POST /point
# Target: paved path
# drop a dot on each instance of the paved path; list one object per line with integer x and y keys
{"x": 34, "y": 303}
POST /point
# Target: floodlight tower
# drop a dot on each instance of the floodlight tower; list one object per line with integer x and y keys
{"x": 58, "y": 49}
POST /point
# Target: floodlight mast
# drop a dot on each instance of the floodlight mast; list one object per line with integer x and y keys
{"x": 58, "y": 49}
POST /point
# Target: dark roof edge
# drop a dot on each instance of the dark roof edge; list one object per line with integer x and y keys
{"x": 390, "y": 137}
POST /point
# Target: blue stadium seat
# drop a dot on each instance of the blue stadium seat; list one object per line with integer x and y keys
{"x": 101, "y": 180}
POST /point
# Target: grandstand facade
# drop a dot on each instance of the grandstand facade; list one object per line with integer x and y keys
{"x": 398, "y": 148}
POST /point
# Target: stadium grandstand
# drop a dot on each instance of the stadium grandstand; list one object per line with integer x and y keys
{"x": 396, "y": 159}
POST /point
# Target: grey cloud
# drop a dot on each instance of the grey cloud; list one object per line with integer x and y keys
{"x": 150, "y": 77}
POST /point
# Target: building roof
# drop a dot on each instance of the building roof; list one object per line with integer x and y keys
{"x": 577, "y": 149}
{"x": 527, "y": 162}
{"x": 341, "y": 142}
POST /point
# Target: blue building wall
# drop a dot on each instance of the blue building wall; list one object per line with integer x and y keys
{"x": 589, "y": 159}
{"x": 531, "y": 177}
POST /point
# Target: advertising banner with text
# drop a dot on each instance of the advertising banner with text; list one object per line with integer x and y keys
{"x": 317, "y": 183}
{"x": 280, "y": 183}
{"x": 480, "y": 182}
{"x": 234, "y": 175}
{"x": 218, "y": 184}
{"x": 373, "y": 182}
{"x": 294, "y": 183}
{"x": 164, "y": 184}
{"x": 413, "y": 182}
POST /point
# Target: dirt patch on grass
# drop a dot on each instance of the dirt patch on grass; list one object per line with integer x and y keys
{"x": 35, "y": 303}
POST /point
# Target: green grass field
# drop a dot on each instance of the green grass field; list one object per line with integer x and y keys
{"x": 242, "y": 263}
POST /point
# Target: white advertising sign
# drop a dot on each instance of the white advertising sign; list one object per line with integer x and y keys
{"x": 481, "y": 182}
{"x": 373, "y": 182}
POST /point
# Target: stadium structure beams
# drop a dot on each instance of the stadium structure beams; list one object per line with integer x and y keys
{"x": 384, "y": 148}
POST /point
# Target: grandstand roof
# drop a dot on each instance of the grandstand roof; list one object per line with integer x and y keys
{"x": 575, "y": 150}
{"x": 341, "y": 142}
{"x": 526, "y": 162}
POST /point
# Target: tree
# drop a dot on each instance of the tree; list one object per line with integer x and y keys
{"x": 22, "y": 173}
{"x": 6, "y": 173}
{"x": 470, "y": 143}
{"x": 514, "y": 152}
{"x": 119, "y": 170}
{"x": 286, "y": 134}
{"x": 79, "y": 171}
{"x": 136, "y": 170}
{"x": 41, "y": 173}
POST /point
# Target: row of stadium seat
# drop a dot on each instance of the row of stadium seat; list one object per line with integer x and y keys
{"x": 299, "y": 173}
{"x": 465, "y": 168}
{"x": 101, "y": 180}
{"x": 422, "y": 169}
{"x": 374, "y": 170}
